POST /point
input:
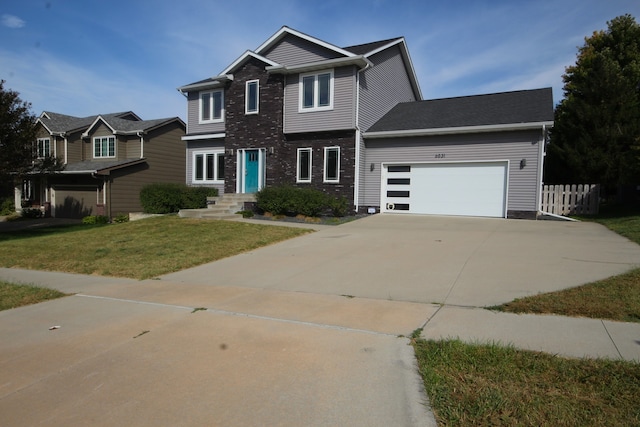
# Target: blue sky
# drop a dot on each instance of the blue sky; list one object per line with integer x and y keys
{"x": 84, "y": 57}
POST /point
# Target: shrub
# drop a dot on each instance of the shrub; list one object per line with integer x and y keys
{"x": 120, "y": 218}
{"x": 309, "y": 202}
{"x": 277, "y": 200}
{"x": 339, "y": 206}
{"x": 7, "y": 206}
{"x": 196, "y": 197}
{"x": 31, "y": 213}
{"x": 288, "y": 200}
{"x": 163, "y": 198}
{"x": 95, "y": 219}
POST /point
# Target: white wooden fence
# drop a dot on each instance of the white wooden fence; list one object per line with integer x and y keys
{"x": 581, "y": 199}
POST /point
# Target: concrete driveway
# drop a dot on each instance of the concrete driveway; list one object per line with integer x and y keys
{"x": 428, "y": 259}
{"x": 272, "y": 337}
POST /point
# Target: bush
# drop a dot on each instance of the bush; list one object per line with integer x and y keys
{"x": 163, "y": 198}
{"x": 7, "y": 206}
{"x": 288, "y": 200}
{"x": 31, "y": 213}
{"x": 95, "y": 219}
{"x": 339, "y": 206}
{"x": 120, "y": 218}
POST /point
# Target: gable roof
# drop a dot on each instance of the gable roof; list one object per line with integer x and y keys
{"x": 126, "y": 122}
{"x": 363, "y": 49}
{"x": 506, "y": 110}
{"x": 284, "y": 31}
{"x": 352, "y": 55}
{"x": 121, "y": 126}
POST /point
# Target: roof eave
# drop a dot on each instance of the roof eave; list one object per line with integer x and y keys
{"x": 286, "y": 30}
{"x": 457, "y": 130}
{"x": 359, "y": 61}
{"x": 218, "y": 81}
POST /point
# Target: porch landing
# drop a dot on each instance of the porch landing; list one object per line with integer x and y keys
{"x": 220, "y": 207}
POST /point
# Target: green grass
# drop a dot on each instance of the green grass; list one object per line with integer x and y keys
{"x": 616, "y": 298}
{"x": 488, "y": 385}
{"x": 14, "y": 295}
{"x": 139, "y": 249}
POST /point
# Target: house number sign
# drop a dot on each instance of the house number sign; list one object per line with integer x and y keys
{"x": 440, "y": 156}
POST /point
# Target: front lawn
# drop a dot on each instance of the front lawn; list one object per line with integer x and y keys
{"x": 139, "y": 249}
{"x": 489, "y": 385}
{"x": 13, "y": 295}
{"x": 615, "y": 298}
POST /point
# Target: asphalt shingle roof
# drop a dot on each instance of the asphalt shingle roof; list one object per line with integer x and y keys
{"x": 363, "y": 49}
{"x": 526, "y": 106}
{"x": 56, "y": 122}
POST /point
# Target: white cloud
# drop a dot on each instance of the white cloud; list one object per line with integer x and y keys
{"x": 11, "y": 21}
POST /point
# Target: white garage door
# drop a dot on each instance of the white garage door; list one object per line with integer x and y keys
{"x": 467, "y": 189}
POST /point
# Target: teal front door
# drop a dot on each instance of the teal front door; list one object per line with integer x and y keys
{"x": 251, "y": 169}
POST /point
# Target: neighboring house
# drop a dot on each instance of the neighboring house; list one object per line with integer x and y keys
{"x": 351, "y": 122}
{"x": 108, "y": 158}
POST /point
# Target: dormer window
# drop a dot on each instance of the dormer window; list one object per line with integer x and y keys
{"x": 316, "y": 91}
{"x": 211, "y": 106}
{"x": 104, "y": 147}
{"x": 43, "y": 148}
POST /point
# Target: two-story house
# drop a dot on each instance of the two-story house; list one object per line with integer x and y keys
{"x": 107, "y": 159}
{"x": 300, "y": 111}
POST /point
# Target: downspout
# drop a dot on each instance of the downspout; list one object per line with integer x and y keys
{"x": 141, "y": 136}
{"x": 356, "y": 184}
{"x": 542, "y": 155}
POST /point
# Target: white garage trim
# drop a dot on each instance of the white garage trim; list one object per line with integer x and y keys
{"x": 465, "y": 188}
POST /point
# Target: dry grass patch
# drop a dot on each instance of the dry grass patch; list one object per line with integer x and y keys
{"x": 615, "y": 298}
{"x": 489, "y": 385}
{"x": 140, "y": 249}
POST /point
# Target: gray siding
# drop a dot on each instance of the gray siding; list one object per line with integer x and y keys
{"x": 342, "y": 116}
{"x": 202, "y": 145}
{"x": 512, "y": 146}
{"x": 383, "y": 86}
{"x": 293, "y": 50}
{"x": 193, "y": 117}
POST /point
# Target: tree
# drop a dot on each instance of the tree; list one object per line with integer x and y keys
{"x": 596, "y": 135}
{"x": 17, "y": 138}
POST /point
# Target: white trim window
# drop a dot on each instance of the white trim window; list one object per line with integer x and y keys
{"x": 316, "y": 91}
{"x": 212, "y": 106}
{"x": 104, "y": 147}
{"x": 303, "y": 169}
{"x": 331, "y": 172}
{"x": 208, "y": 167}
{"x": 43, "y": 149}
{"x": 252, "y": 97}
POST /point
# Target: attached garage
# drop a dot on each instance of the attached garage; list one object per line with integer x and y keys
{"x": 478, "y": 155}
{"x": 74, "y": 201}
{"x": 465, "y": 188}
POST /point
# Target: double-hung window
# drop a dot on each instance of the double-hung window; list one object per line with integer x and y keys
{"x": 43, "y": 148}
{"x": 303, "y": 169}
{"x": 316, "y": 91}
{"x": 331, "y": 164}
{"x": 252, "y": 97}
{"x": 104, "y": 146}
{"x": 212, "y": 106}
{"x": 208, "y": 167}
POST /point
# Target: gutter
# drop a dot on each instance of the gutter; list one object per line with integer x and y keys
{"x": 356, "y": 186}
{"x": 456, "y": 130}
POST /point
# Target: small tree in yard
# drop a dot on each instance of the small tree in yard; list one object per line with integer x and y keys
{"x": 17, "y": 138}
{"x": 596, "y": 135}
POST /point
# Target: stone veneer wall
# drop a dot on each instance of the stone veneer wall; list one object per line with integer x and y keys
{"x": 265, "y": 130}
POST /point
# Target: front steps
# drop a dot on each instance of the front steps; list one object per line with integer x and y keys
{"x": 220, "y": 207}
